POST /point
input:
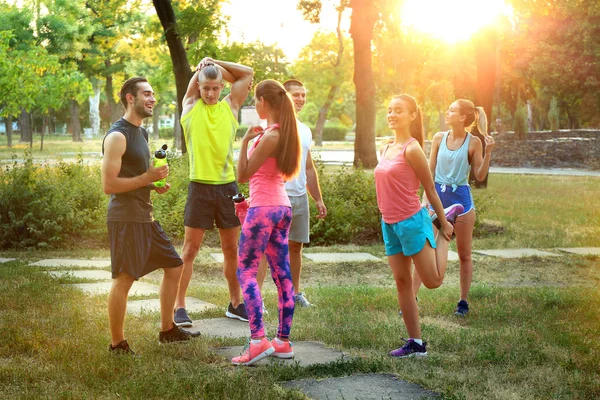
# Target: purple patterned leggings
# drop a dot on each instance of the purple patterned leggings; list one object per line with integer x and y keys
{"x": 265, "y": 231}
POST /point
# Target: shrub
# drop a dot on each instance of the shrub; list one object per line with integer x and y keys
{"x": 45, "y": 206}
{"x": 334, "y": 132}
{"x": 166, "y": 133}
{"x": 352, "y": 213}
{"x": 241, "y": 131}
{"x": 554, "y": 115}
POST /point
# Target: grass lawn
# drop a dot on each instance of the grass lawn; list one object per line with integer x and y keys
{"x": 532, "y": 332}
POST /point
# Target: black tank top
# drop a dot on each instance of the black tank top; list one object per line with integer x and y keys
{"x": 135, "y": 205}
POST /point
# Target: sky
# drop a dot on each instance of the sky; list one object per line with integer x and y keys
{"x": 277, "y": 22}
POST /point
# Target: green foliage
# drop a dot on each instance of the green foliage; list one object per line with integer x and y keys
{"x": 169, "y": 207}
{"x": 334, "y": 132}
{"x": 352, "y": 212}
{"x": 554, "y": 115}
{"x": 45, "y": 206}
{"x": 520, "y": 121}
{"x": 241, "y": 131}
{"x": 165, "y": 133}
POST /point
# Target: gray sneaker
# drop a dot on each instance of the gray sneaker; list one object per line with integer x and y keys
{"x": 301, "y": 301}
{"x": 181, "y": 318}
{"x": 238, "y": 312}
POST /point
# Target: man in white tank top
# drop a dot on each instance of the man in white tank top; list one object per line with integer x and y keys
{"x": 306, "y": 181}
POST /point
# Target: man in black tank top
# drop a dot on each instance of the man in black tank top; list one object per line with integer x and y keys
{"x": 138, "y": 245}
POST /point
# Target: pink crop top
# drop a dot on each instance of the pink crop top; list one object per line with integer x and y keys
{"x": 266, "y": 185}
{"x": 397, "y": 186}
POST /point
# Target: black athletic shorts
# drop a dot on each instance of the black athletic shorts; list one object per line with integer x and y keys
{"x": 138, "y": 248}
{"x": 210, "y": 205}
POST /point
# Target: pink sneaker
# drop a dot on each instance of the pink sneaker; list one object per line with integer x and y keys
{"x": 283, "y": 350}
{"x": 254, "y": 352}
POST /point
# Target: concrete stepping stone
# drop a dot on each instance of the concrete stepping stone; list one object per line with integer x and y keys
{"x": 3, "y": 260}
{"x": 340, "y": 257}
{"x": 95, "y": 274}
{"x": 516, "y": 253}
{"x": 452, "y": 255}
{"x": 361, "y": 386}
{"x": 221, "y": 327}
{"x": 305, "y": 354}
{"x": 584, "y": 251}
{"x": 61, "y": 262}
{"x": 218, "y": 257}
{"x": 192, "y": 304}
{"x": 138, "y": 288}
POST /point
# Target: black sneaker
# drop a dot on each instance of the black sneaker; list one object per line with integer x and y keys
{"x": 181, "y": 318}
{"x": 176, "y": 334}
{"x": 238, "y": 312}
{"x": 462, "y": 308}
{"x": 122, "y": 348}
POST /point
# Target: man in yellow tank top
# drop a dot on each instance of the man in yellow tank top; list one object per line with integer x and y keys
{"x": 209, "y": 126}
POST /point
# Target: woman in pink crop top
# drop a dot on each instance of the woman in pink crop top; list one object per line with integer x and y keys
{"x": 406, "y": 225}
{"x": 273, "y": 158}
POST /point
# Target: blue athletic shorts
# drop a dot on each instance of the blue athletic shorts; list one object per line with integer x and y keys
{"x": 408, "y": 236}
{"x": 462, "y": 196}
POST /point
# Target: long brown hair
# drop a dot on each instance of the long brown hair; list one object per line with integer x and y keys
{"x": 475, "y": 116}
{"x": 288, "y": 150}
{"x": 416, "y": 126}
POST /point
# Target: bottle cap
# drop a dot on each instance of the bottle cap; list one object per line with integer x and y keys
{"x": 238, "y": 198}
{"x": 162, "y": 152}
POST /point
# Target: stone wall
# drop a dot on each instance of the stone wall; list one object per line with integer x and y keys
{"x": 562, "y": 149}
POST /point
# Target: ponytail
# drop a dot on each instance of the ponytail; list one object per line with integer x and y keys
{"x": 416, "y": 126}
{"x": 481, "y": 121}
{"x": 476, "y": 117}
{"x": 289, "y": 150}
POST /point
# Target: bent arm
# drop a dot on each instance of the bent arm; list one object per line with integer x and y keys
{"x": 240, "y": 77}
{"x": 114, "y": 148}
{"x": 248, "y": 167}
{"x": 481, "y": 164}
{"x": 433, "y": 152}
{"x": 192, "y": 93}
{"x": 417, "y": 160}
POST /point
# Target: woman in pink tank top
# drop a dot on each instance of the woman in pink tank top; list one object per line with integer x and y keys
{"x": 273, "y": 158}
{"x": 406, "y": 225}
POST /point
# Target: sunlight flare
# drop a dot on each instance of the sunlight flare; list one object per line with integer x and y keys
{"x": 454, "y": 20}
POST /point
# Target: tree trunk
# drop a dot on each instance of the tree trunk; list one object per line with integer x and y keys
{"x": 181, "y": 66}
{"x": 52, "y": 121}
{"x": 155, "y": 121}
{"x": 486, "y": 55}
{"x": 177, "y": 132}
{"x": 362, "y": 23}
{"x": 116, "y": 111}
{"x": 75, "y": 125}
{"x": 44, "y": 131}
{"x": 9, "y": 131}
{"x": 95, "y": 108}
{"x": 25, "y": 122}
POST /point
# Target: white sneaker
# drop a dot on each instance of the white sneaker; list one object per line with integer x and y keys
{"x": 301, "y": 301}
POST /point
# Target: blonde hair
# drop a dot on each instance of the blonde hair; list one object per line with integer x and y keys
{"x": 289, "y": 150}
{"x": 475, "y": 116}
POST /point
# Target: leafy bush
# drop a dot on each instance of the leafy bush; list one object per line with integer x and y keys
{"x": 554, "y": 115}
{"x": 45, "y": 206}
{"x": 166, "y": 133}
{"x": 352, "y": 213}
{"x": 334, "y": 132}
{"x": 241, "y": 131}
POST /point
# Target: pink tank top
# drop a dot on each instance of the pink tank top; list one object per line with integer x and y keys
{"x": 267, "y": 187}
{"x": 397, "y": 186}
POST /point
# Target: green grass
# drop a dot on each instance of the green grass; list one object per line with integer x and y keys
{"x": 531, "y": 334}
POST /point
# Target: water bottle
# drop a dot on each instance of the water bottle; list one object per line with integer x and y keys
{"x": 160, "y": 159}
{"x": 241, "y": 206}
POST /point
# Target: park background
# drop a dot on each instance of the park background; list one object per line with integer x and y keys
{"x": 534, "y": 66}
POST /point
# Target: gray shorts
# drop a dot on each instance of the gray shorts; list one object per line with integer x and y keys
{"x": 300, "y": 228}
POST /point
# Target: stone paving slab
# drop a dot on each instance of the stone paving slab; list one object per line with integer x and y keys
{"x": 584, "y": 251}
{"x": 221, "y": 327}
{"x": 192, "y": 304}
{"x": 305, "y": 354}
{"x": 218, "y": 257}
{"x": 95, "y": 274}
{"x": 138, "y": 288}
{"x": 340, "y": 257}
{"x": 3, "y": 260}
{"x": 516, "y": 253}
{"x": 361, "y": 386}
{"x": 62, "y": 262}
{"x": 452, "y": 255}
